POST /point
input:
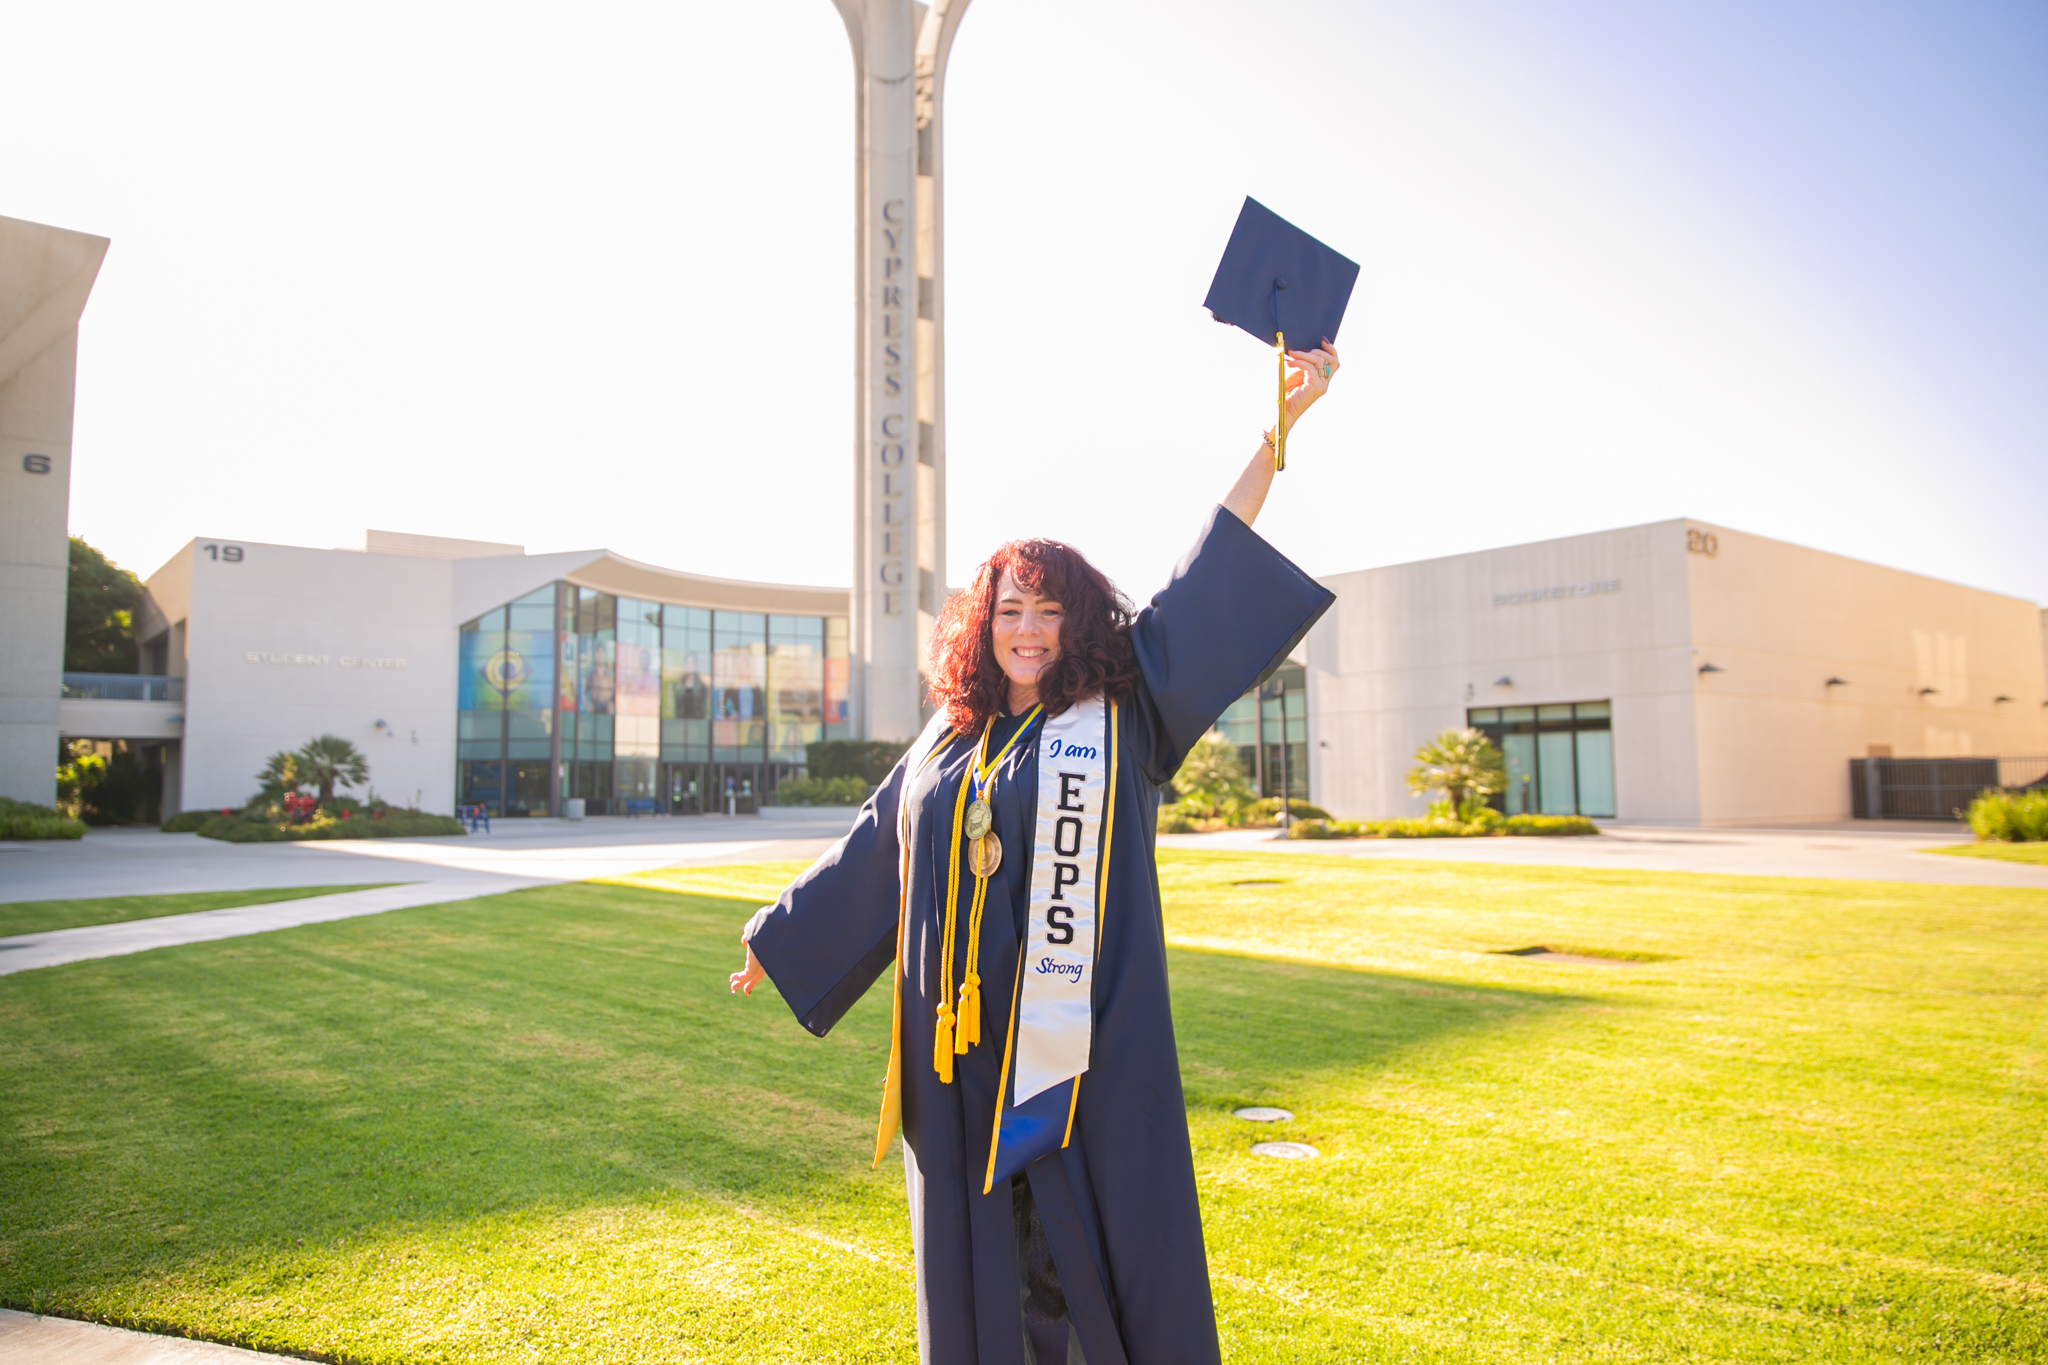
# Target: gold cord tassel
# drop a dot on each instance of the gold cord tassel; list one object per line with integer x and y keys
{"x": 970, "y": 989}
{"x": 1280, "y": 426}
{"x": 943, "y": 1043}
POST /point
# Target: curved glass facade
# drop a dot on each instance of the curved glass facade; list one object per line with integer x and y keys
{"x": 641, "y": 707}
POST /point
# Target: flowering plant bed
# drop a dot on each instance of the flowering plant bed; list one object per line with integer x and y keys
{"x": 243, "y": 828}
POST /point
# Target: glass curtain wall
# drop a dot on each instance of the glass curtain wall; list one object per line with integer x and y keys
{"x": 1269, "y": 727}
{"x": 1560, "y": 758}
{"x": 504, "y": 717}
{"x": 639, "y": 707}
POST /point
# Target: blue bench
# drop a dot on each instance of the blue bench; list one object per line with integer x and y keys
{"x": 639, "y": 805}
{"x": 474, "y": 816}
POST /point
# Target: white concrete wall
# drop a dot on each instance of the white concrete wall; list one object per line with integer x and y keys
{"x": 289, "y": 643}
{"x": 1408, "y": 648}
{"x": 1780, "y": 620}
{"x": 46, "y": 274}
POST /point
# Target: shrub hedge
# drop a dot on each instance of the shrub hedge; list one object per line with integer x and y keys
{"x": 867, "y": 759}
{"x": 1487, "y": 823}
{"x": 822, "y": 791}
{"x": 390, "y": 824}
{"x": 2010, "y": 817}
{"x": 27, "y": 820}
{"x": 187, "y": 821}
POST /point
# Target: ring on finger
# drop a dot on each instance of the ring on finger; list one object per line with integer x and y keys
{"x": 1326, "y": 371}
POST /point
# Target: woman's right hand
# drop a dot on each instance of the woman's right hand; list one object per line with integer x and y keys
{"x": 746, "y": 978}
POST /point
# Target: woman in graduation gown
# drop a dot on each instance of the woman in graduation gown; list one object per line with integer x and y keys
{"x": 1003, "y": 877}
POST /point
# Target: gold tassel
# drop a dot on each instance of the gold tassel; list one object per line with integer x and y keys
{"x": 970, "y": 1012}
{"x": 942, "y": 1044}
{"x": 1280, "y": 427}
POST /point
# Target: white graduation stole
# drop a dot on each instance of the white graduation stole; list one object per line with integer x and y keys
{"x": 1055, "y": 1013}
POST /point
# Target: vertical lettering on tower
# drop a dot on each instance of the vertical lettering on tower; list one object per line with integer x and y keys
{"x": 893, "y": 478}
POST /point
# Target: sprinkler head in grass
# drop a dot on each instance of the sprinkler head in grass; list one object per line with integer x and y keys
{"x": 1263, "y": 1113}
{"x": 1285, "y": 1151}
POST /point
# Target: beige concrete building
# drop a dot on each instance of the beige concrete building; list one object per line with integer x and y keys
{"x": 46, "y": 275}
{"x": 471, "y": 673}
{"x": 1677, "y": 672}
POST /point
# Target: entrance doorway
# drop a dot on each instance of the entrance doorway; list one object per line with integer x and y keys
{"x": 1560, "y": 758}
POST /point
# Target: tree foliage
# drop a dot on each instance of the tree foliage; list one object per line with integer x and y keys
{"x": 328, "y": 762}
{"x": 1211, "y": 777}
{"x": 1462, "y": 764}
{"x": 279, "y": 778}
{"x": 99, "y": 614}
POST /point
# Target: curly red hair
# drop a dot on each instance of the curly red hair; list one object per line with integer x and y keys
{"x": 967, "y": 683}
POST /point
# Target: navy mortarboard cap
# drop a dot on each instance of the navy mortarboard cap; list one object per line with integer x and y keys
{"x": 1276, "y": 279}
{"x": 1284, "y": 287}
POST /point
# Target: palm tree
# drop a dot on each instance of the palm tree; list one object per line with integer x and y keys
{"x": 330, "y": 761}
{"x": 1211, "y": 775}
{"x": 1461, "y": 764}
{"x": 280, "y": 775}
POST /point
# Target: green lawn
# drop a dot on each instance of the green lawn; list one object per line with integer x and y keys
{"x": 39, "y": 917}
{"x": 534, "y": 1128}
{"x": 2036, "y": 852}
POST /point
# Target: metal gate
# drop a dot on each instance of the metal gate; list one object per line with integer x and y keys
{"x": 1934, "y": 788}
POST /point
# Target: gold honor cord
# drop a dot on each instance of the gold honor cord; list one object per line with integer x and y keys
{"x": 960, "y": 1029}
{"x": 1280, "y": 426}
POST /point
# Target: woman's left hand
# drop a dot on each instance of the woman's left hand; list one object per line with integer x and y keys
{"x": 1308, "y": 378}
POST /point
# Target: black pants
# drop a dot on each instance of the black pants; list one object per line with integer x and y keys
{"x": 1049, "y": 1336}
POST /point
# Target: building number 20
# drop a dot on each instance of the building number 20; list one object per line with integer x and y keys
{"x": 231, "y": 553}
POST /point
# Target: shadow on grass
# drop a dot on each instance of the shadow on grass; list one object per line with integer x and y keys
{"x": 552, "y": 1048}
{"x": 1245, "y": 1023}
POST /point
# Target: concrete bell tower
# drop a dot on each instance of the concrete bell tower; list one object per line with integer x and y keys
{"x": 899, "y": 544}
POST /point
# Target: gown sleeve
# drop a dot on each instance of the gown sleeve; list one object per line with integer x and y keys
{"x": 1233, "y": 611}
{"x": 833, "y": 930}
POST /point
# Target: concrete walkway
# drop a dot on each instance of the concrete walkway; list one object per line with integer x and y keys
{"x": 517, "y": 854}
{"x": 1878, "y": 851}
{"x": 31, "y": 1339}
{"x": 546, "y": 852}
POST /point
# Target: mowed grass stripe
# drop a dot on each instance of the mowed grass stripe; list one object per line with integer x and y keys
{"x": 534, "y": 1127}
{"x": 42, "y": 917}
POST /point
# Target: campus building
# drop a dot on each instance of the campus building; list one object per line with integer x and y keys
{"x": 1676, "y": 672}
{"x": 46, "y": 276}
{"x": 470, "y": 672}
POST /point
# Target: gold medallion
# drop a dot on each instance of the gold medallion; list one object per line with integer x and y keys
{"x": 979, "y": 818}
{"x": 985, "y": 855}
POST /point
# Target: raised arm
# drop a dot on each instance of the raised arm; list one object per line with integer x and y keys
{"x": 1308, "y": 379}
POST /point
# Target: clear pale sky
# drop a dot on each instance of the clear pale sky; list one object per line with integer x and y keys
{"x": 574, "y": 277}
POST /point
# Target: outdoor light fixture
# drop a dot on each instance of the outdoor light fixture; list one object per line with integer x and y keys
{"x": 1836, "y": 682}
{"x": 1999, "y": 698}
{"x": 1930, "y": 691}
{"x": 1712, "y": 668}
{"x": 1503, "y": 681}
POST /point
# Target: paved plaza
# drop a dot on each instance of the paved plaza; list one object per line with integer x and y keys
{"x": 517, "y": 854}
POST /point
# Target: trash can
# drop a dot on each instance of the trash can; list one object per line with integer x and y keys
{"x": 572, "y": 809}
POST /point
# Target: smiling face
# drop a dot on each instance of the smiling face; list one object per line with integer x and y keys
{"x": 1026, "y": 634}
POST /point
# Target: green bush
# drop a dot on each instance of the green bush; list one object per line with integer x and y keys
{"x": 27, "y": 820}
{"x": 1266, "y": 811}
{"x": 391, "y": 823}
{"x": 1485, "y": 822}
{"x": 1550, "y": 824}
{"x": 822, "y": 791}
{"x": 187, "y": 821}
{"x": 2010, "y": 817}
{"x": 867, "y": 759}
{"x": 1175, "y": 819}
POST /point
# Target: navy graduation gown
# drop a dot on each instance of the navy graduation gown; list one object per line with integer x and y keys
{"x": 1118, "y": 1204}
